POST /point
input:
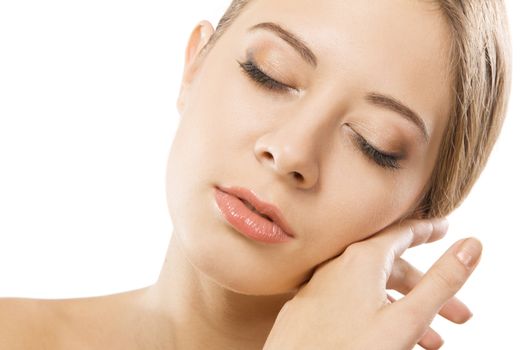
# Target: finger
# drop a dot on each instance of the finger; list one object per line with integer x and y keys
{"x": 431, "y": 339}
{"x": 410, "y": 233}
{"x": 437, "y": 231}
{"x": 405, "y": 277}
{"x": 441, "y": 282}
{"x": 370, "y": 261}
{"x": 376, "y": 255}
{"x": 440, "y": 231}
{"x": 456, "y": 311}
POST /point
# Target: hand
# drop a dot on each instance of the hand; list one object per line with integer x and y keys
{"x": 344, "y": 305}
{"x": 404, "y": 277}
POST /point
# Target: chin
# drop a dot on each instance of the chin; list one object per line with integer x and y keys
{"x": 234, "y": 262}
{"x": 217, "y": 251}
{"x": 231, "y": 264}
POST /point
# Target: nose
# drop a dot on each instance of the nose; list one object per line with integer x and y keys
{"x": 292, "y": 151}
{"x": 288, "y": 165}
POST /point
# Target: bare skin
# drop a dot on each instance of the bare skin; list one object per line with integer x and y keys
{"x": 127, "y": 321}
{"x": 218, "y": 289}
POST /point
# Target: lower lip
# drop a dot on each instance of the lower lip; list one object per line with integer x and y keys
{"x": 247, "y": 222}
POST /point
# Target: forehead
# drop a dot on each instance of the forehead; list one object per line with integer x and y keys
{"x": 399, "y": 47}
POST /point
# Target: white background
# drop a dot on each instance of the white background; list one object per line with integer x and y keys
{"x": 87, "y": 114}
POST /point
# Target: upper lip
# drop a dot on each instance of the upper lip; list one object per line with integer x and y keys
{"x": 261, "y": 206}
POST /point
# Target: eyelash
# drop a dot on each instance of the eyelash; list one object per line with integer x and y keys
{"x": 259, "y": 77}
{"x": 384, "y": 160}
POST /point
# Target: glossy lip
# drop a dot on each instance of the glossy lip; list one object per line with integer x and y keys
{"x": 261, "y": 206}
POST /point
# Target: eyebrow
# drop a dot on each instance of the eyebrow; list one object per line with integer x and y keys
{"x": 375, "y": 98}
{"x": 297, "y": 43}
{"x": 397, "y": 106}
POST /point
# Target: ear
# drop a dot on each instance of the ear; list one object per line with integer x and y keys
{"x": 196, "y": 42}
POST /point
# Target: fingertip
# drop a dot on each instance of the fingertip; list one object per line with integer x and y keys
{"x": 441, "y": 224}
{"x": 431, "y": 340}
{"x": 439, "y": 229}
{"x": 442, "y": 281}
{"x": 467, "y": 315}
{"x": 456, "y": 311}
{"x": 439, "y": 343}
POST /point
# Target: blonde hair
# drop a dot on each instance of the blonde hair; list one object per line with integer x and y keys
{"x": 481, "y": 68}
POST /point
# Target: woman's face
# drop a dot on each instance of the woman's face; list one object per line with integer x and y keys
{"x": 303, "y": 148}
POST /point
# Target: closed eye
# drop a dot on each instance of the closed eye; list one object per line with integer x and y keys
{"x": 383, "y": 159}
{"x": 262, "y": 79}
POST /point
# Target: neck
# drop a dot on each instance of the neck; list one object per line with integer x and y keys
{"x": 202, "y": 314}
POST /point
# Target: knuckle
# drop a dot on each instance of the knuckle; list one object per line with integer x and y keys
{"x": 359, "y": 251}
{"x": 401, "y": 269}
{"x": 354, "y": 249}
{"x": 414, "y": 321}
{"x": 420, "y": 231}
{"x": 411, "y": 231}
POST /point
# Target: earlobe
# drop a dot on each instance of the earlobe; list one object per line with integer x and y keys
{"x": 199, "y": 37}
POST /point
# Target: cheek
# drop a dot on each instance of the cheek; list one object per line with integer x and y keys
{"x": 214, "y": 133}
{"x": 226, "y": 109}
{"x": 368, "y": 206}
{"x": 357, "y": 203}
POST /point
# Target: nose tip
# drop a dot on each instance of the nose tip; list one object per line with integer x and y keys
{"x": 300, "y": 173}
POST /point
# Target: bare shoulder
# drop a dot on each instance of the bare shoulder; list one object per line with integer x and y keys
{"x": 102, "y": 322}
{"x": 26, "y": 324}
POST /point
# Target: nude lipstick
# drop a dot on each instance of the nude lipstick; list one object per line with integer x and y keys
{"x": 251, "y": 216}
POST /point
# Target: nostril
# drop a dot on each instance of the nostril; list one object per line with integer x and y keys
{"x": 297, "y": 176}
{"x": 267, "y": 155}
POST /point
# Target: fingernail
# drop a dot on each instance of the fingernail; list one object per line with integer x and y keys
{"x": 469, "y": 252}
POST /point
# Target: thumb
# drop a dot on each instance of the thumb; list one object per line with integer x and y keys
{"x": 443, "y": 280}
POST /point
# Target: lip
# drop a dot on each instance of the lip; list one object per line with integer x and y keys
{"x": 265, "y": 208}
